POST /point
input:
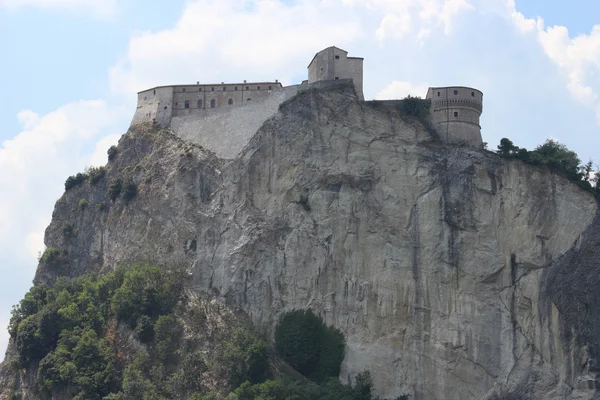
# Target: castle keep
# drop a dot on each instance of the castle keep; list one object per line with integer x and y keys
{"x": 223, "y": 116}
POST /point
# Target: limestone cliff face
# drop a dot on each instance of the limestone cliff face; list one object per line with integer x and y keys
{"x": 454, "y": 274}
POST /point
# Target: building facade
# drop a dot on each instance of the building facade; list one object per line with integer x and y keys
{"x": 161, "y": 104}
{"x": 455, "y": 112}
{"x": 333, "y": 64}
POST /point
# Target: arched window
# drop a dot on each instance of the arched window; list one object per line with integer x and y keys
{"x": 230, "y": 101}
{"x": 212, "y": 103}
{"x": 200, "y": 104}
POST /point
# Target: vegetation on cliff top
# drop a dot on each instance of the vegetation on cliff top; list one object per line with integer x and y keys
{"x": 135, "y": 334}
{"x": 557, "y": 157}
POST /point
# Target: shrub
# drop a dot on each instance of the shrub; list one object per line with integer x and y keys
{"x": 67, "y": 228}
{"x": 553, "y": 155}
{"x": 52, "y": 255}
{"x": 167, "y": 334}
{"x": 130, "y": 190}
{"x": 112, "y": 153}
{"x": 364, "y": 385}
{"x": 303, "y": 340}
{"x": 243, "y": 357}
{"x": 147, "y": 290}
{"x": 415, "y": 107}
{"x": 75, "y": 180}
{"x": 114, "y": 189}
{"x": 144, "y": 329}
{"x": 82, "y": 204}
{"x": 95, "y": 174}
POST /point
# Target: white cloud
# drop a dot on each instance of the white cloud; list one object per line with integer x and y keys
{"x": 226, "y": 40}
{"x": 40, "y": 157}
{"x": 232, "y": 40}
{"x": 419, "y": 17}
{"x": 578, "y": 58}
{"x": 99, "y": 156}
{"x": 400, "y": 89}
{"x": 4, "y": 319}
{"x": 97, "y": 8}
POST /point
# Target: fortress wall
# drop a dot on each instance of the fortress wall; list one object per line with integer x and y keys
{"x": 461, "y": 132}
{"x": 154, "y": 104}
{"x": 201, "y": 96}
{"x": 226, "y": 131}
{"x": 352, "y": 69}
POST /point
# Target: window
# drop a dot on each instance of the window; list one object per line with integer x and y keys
{"x": 212, "y": 89}
{"x": 337, "y": 57}
{"x": 248, "y": 99}
{"x": 154, "y": 91}
{"x": 165, "y": 107}
{"x": 247, "y": 87}
{"x": 438, "y": 94}
{"x": 224, "y": 88}
{"x": 258, "y": 88}
{"x": 212, "y": 103}
{"x": 337, "y": 77}
{"x": 199, "y": 89}
{"x": 176, "y": 104}
{"x": 455, "y": 92}
{"x": 186, "y": 104}
{"x": 456, "y": 114}
{"x": 270, "y": 87}
{"x": 183, "y": 90}
{"x": 472, "y": 94}
{"x": 230, "y": 101}
{"x": 199, "y": 103}
{"x": 235, "y": 88}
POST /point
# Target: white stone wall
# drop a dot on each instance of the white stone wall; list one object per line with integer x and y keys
{"x": 154, "y": 105}
{"x": 226, "y": 131}
{"x": 160, "y": 104}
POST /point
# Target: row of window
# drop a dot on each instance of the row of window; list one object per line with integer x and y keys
{"x": 456, "y": 93}
{"x": 235, "y": 88}
{"x": 213, "y": 103}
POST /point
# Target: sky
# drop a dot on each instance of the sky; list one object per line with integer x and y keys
{"x": 70, "y": 69}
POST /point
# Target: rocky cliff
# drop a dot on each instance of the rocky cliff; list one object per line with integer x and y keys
{"x": 454, "y": 274}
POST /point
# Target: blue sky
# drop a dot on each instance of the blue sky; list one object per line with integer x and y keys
{"x": 70, "y": 70}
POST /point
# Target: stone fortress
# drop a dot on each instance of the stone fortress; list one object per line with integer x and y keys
{"x": 223, "y": 117}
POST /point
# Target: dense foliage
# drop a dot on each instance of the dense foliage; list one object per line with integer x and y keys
{"x": 78, "y": 332}
{"x": 415, "y": 107}
{"x": 92, "y": 174}
{"x": 558, "y": 158}
{"x": 310, "y": 346}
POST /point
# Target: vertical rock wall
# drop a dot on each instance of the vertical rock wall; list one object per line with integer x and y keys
{"x": 447, "y": 268}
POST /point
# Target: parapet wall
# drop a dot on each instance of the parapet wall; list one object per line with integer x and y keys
{"x": 226, "y": 131}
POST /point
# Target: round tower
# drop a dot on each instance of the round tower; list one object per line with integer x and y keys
{"x": 455, "y": 112}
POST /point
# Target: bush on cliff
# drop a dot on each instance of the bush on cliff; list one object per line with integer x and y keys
{"x": 557, "y": 157}
{"x": 310, "y": 346}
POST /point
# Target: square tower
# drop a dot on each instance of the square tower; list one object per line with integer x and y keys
{"x": 332, "y": 64}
